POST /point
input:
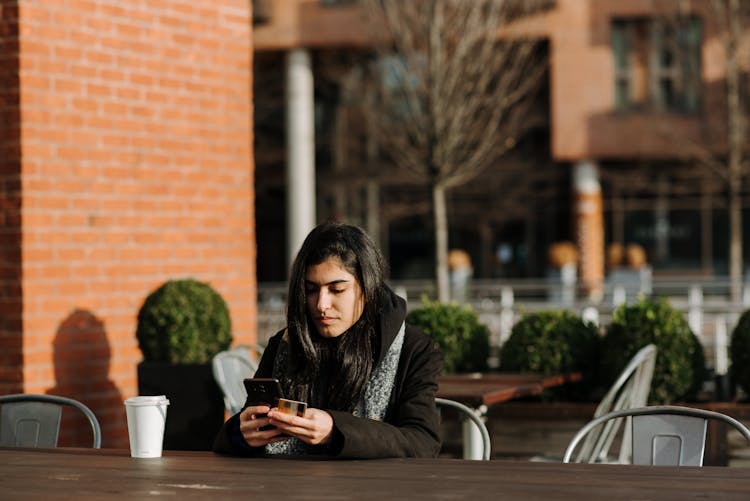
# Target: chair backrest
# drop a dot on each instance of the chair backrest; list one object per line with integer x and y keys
{"x": 663, "y": 435}
{"x": 467, "y": 413}
{"x": 230, "y": 367}
{"x": 30, "y": 420}
{"x": 630, "y": 390}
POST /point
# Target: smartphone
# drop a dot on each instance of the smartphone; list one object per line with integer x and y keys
{"x": 262, "y": 391}
{"x": 267, "y": 391}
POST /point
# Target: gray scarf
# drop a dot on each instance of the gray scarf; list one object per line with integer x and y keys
{"x": 372, "y": 405}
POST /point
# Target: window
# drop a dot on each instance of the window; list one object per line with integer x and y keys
{"x": 657, "y": 64}
{"x": 261, "y": 11}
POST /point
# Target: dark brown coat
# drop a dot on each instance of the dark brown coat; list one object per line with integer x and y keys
{"x": 411, "y": 425}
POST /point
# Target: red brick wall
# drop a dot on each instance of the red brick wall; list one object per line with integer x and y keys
{"x": 136, "y": 167}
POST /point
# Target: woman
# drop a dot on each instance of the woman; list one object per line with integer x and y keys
{"x": 368, "y": 379}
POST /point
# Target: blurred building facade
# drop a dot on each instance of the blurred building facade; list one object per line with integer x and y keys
{"x": 627, "y": 125}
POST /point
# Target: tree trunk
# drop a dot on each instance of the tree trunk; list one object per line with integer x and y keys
{"x": 439, "y": 209}
{"x": 736, "y": 135}
{"x": 441, "y": 242}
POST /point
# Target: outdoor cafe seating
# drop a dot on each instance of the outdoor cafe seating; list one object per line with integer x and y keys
{"x": 114, "y": 474}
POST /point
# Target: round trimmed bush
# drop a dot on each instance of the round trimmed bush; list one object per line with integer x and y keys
{"x": 680, "y": 365}
{"x": 183, "y": 322}
{"x": 465, "y": 341}
{"x": 553, "y": 342}
{"x": 739, "y": 353}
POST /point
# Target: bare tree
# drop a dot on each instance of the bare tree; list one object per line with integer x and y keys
{"x": 729, "y": 14}
{"x": 453, "y": 93}
{"x": 729, "y": 163}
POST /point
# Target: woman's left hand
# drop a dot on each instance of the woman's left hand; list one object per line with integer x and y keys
{"x": 314, "y": 428}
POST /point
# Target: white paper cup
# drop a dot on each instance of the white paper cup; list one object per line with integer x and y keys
{"x": 146, "y": 418}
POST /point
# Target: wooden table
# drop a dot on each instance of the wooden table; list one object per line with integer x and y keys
{"x": 113, "y": 475}
{"x": 480, "y": 390}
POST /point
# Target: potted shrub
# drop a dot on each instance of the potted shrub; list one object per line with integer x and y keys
{"x": 739, "y": 354}
{"x": 462, "y": 338}
{"x": 554, "y": 342}
{"x": 181, "y": 326}
{"x": 680, "y": 366}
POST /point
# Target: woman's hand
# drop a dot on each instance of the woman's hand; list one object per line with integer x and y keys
{"x": 251, "y": 420}
{"x": 314, "y": 428}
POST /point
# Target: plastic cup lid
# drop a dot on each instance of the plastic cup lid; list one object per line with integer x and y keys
{"x": 148, "y": 400}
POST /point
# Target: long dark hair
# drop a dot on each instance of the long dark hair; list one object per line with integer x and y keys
{"x": 347, "y": 359}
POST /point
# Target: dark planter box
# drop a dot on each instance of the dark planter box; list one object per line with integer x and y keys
{"x": 196, "y": 406}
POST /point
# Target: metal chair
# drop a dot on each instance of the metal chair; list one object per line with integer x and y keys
{"x": 629, "y": 391}
{"x": 31, "y": 420}
{"x": 663, "y": 435}
{"x": 230, "y": 367}
{"x": 467, "y": 413}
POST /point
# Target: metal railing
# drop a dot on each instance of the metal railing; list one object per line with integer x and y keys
{"x": 499, "y": 304}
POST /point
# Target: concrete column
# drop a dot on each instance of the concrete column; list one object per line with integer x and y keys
{"x": 589, "y": 227}
{"x": 300, "y": 134}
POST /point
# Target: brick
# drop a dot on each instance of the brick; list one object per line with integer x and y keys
{"x": 34, "y": 14}
{"x": 65, "y": 85}
{"x": 84, "y": 72}
{"x": 39, "y": 82}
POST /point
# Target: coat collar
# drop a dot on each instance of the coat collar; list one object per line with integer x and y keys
{"x": 392, "y": 315}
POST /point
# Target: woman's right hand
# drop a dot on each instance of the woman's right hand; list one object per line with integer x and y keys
{"x": 251, "y": 420}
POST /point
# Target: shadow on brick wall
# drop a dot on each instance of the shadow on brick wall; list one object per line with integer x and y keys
{"x": 81, "y": 358}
